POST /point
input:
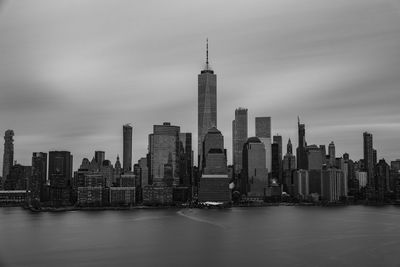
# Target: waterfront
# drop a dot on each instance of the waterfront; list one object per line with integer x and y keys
{"x": 273, "y": 236}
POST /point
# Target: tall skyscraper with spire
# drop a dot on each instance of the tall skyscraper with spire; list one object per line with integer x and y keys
{"x": 207, "y": 104}
{"x": 8, "y": 158}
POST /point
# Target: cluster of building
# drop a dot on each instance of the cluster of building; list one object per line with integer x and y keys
{"x": 167, "y": 174}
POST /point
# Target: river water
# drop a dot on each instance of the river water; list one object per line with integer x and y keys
{"x": 265, "y": 236}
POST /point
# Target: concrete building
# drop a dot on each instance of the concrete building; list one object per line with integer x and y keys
{"x": 18, "y": 177}
{"x": 207, "y": 104}
{"x": 122, "y": 196}
{"x": 8, "y": 156}
{"x": 301, "y": 184}
{"x": 127, "y": 180}
{"x": 12, "y": 197}
{"x": 157, "y": 195}
{"x": 254, "y": 178}
{"x": 164, "y": 154}
{"x": 362, "y": 178}
{"x": 263, "y": 132}
{"x": 332, "y": 185}
{"x": 239, "y": 137}
{"x": 90, "y": 196}
{"x": 127, "y": 147}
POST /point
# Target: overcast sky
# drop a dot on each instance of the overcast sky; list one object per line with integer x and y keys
{"x": 73, "y": 72}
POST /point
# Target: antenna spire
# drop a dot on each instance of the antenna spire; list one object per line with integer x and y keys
{"x": 207, "y": 53}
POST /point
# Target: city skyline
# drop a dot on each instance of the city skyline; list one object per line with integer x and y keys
{"x": 58, "y": 93}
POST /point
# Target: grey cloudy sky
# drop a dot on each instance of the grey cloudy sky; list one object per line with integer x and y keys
{"x": 73, "y": 72}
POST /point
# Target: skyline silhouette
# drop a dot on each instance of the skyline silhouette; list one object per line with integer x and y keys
{"x": 73, "y": 77}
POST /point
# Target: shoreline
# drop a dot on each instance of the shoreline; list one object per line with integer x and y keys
{"x": 143, "y": 207}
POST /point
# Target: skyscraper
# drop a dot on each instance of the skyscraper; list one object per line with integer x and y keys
{"x": 207, "y": 104}
{"x": 301, "y": 149}
{"x": 277, "y": 157}
{"x": 164, "y": 154}
{"x": 332, "y": 154}
{"x": 369, "y": 158}
{"x": 8, "y": 158}
{"x": 60, "y": 168}
{"x": 60, "y": 176}
{"x": 214, "y": 181}
{"x": 263, "y": 132}
{"x": 99, "y": 156}
{"x": 314, "y": 158}
{"x": 289, "y": 165}
{"x": 127, "y": 148}
{"x": 254, "y": 178}
{"x": 186, "y": 159}
{"x": 239, "y": 137}
{"x": 39, "y": 174}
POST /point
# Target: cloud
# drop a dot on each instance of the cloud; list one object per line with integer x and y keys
{"x": 73, "y": 72}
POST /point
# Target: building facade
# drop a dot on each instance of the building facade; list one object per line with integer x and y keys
{"x": 263, "y": 132}
{"x": 254, "y": 178}
{"x": 207, "y": 104}
{"x": 127, "y": 147}
{"x": 239, "y": 137}
{"x": 8, "y": 156}
{"x": 164, "y": 154}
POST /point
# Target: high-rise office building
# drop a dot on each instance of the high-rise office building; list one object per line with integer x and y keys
{"x": 301, "y": 149}
{"x": 164, "y": 154}
{"x": 314, "y": 157}
{"x": 60, "y": 168}
{"x": 301, "y": 184}
{"x": 332, "y": 154}
{"x": 382, "y": 177}
{"x": 214, "y": 181}
{"x": 239, "y": 137}
{"x": 186, "y": 159}
{"x": 8, "y": 157}
{"x": 263, "y": 132}
{"x": 369, "y": 158}
{"x": 289, "y": 165}
{"x": 276, "y": 160}
{"x": 99, "y": 156}
{"x": 39, "y": 174}
{"x": 127, "y": 148}
{"x": 60, "y": 176}
{"x": 18, "y": 177}
{"x": 332, "y": 185}
{"x": 143, "y": 171}
{"x": 254, "y": 178}
{"x": 207, "y": 104}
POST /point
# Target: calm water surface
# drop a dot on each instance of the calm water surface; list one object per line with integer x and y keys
{"x": 268, "y": 236}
